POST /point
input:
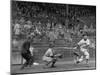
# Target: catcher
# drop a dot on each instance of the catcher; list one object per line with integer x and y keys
{"x": 50, "y": 57}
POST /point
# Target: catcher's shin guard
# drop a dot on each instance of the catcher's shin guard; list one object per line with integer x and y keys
{"x": 53, "y": 62}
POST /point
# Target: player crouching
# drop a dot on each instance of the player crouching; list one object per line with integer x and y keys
{"x": 50, "y": 57}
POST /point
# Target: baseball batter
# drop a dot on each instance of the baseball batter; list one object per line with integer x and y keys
{"x": 84, "y": 45}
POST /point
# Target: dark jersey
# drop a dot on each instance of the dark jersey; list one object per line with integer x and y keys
{"x": 25, "y": 47}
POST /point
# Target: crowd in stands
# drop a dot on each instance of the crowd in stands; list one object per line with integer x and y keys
{"x": 37, "y": 21}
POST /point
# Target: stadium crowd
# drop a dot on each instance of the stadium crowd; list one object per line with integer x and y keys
{"x": 38, "y": 21}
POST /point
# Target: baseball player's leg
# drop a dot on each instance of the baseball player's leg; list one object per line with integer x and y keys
{"x": 47, "y": 60}
{"x": 53, "y": 62}
{"x": 30, "y": 59}
{"x": 87, "y": 56}
{"x": 82, "y": 52}
{"x": 47, "y": 64}
{"x": 81, "y": 58}
{"x": 76, "y": 58}
{"x": 26, "y": 61}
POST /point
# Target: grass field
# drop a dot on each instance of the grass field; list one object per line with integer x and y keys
{"x": 61, "y": 65}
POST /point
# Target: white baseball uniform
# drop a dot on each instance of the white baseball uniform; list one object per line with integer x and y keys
{"x": 83, "y": 48}
{"x": 47, "y": 55}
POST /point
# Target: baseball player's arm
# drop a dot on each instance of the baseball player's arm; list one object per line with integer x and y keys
{"x": 31, "y": 50}
{"x": 75, "y": 51}
{"x": 77, "y": 46}
{"x": 87, "y": 44}
{"x": 49, "y": 53}
{"x": 80, "y": 42}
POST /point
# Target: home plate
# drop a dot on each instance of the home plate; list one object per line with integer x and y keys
{"x": 35, "y": 63}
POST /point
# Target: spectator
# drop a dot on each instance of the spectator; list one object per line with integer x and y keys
{"x": 17, "y": 28}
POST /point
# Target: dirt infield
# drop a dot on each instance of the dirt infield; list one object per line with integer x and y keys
{"x": 67, "y": 65}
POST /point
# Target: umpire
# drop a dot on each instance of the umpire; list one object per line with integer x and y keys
{"x": 26, "y": 54}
